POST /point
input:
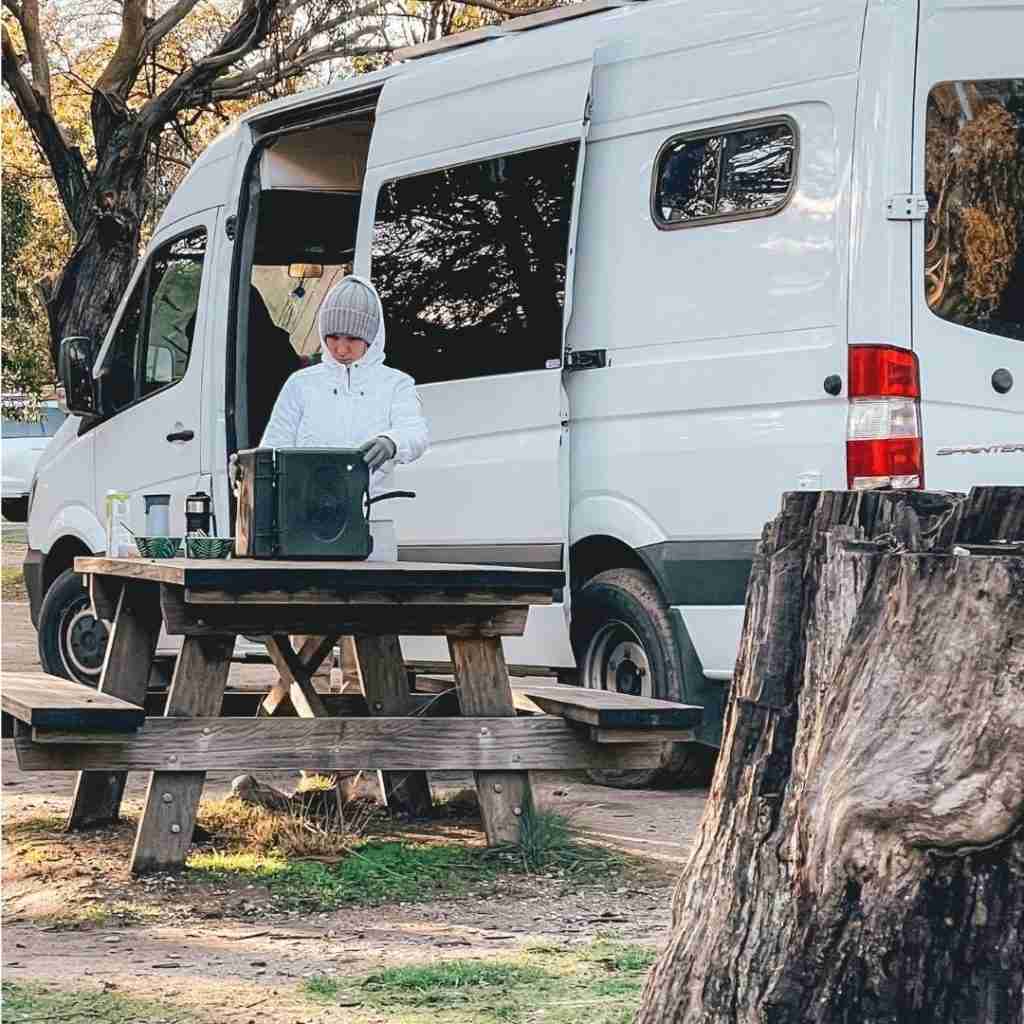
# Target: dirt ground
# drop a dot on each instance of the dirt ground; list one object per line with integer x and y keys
{"x": 229, "y": 952}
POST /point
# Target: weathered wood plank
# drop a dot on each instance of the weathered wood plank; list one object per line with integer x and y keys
{"x": 605, "y": 709}
{"x": 172, "y": 798}
{"x": 261, "y": 575}
{"x": 304, "y": 594}
{"x": 104, "y": 593}
{"x": 413, "y": 620}
{"x": 483, "y": 689}
{"x": 297, "y": 676}
{"x": 126, "y": 668}
{"x": 642, "y": 735}
{"x": 386, "y": 687}
{"x": 331, "y": 744}
{"x": 50, "y": 702}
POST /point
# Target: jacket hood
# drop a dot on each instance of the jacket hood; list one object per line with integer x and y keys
{"x": 375, "y": 353}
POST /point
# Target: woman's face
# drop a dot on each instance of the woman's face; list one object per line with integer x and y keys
{"x": 345, "y": 348}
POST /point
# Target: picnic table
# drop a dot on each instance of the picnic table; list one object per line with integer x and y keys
{"x": 106, "y": 734}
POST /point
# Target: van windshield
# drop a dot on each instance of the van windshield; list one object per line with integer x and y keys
{"x": 974, "y": 176}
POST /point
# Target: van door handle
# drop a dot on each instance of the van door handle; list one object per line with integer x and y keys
{"x": 181, "y": 435}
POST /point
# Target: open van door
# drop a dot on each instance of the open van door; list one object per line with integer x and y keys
{"x": 467, "y": 229}
{"x": 968, "y": 241}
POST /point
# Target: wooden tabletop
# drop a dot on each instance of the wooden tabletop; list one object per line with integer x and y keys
{"x": 251, "y": 574}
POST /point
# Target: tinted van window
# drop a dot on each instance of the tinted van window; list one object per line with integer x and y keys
{"x": 974, "y": 177}
{"x": 470, "y": 263}
{"x": 726, "y": 173}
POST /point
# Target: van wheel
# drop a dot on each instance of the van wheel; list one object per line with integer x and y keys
{"x": 623, "y": 641}
{"x": 72, "y": 641}
{"x": 14, "y": 510}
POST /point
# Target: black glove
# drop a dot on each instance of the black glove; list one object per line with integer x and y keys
{"x": 378, "y": 451}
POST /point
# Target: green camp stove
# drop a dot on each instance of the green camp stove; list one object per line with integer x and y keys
{"x": 305, "y": 503}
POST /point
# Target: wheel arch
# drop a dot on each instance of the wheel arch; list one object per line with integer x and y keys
{"x": 61, "y": 556}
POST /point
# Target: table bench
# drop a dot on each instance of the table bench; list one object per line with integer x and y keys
{"x": 209, "y": 603}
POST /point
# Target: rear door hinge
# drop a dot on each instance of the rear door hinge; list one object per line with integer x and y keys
{"x": 906, "y": 206}
{"x": 586, "y": 359}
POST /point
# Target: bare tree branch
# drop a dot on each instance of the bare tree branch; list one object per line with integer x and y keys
{"x": 244, "y": 35}
{"x": 251, "y": 85}
{"x": 166, "y": 23}
{"x": 505, "y": 12}
{"x": 122, "y": 69}
{"x": 69, "y": 171}
{"x": 27, "y": 14}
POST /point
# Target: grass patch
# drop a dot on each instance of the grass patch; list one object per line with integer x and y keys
{"x": 12, "y": 583}
{"x": 98, "y": 915}
{"x": 38, "y": 1003}
{"x": 371, "y": 872}
{"x": 547, "y": 844}
{"x": 599, "y": 983}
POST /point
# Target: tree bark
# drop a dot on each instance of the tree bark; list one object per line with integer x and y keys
{"x": 861, "y": 857}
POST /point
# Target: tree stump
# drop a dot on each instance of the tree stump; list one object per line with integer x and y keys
{"x": 861, "y": 856}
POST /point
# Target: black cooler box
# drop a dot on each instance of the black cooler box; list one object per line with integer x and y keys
{"x": 303, "y": 503}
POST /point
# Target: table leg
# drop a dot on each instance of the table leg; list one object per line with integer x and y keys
{"x": 126, "y": 668}
{"x": 386, "y": 688}
{"x": 172, "y": 799}
{"x": 296, "y": 672}
{"x": 484, "y": 690}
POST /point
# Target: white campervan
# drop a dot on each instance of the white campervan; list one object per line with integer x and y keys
{"x": 651, "y": 263}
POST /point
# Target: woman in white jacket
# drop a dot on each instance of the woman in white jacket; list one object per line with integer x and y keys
{"x": 350, "y": 399}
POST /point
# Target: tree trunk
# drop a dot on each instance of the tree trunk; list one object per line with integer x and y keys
{"x": 93, "y": 281}
{"x": 861, "y": 857}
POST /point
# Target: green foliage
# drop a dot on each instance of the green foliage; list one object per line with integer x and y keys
{"x": 27, "y": 368}
{"x": 373, "y": 872}
{"x": 599, "y": 983}
{"x": 38, "y": 1003}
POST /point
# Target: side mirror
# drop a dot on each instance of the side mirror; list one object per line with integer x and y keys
{"x": 75, "y": 371}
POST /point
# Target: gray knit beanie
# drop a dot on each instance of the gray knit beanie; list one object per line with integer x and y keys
{"x": 351, "y": 308}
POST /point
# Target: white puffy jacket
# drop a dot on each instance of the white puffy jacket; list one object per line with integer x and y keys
{"x": 334, "y": 406}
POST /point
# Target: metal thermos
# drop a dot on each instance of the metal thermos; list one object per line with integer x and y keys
{"x": 198, "y": 514}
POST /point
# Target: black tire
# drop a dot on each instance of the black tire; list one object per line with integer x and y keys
{"x": 622, "y": 638}
{"x": 14, "y": 510}
{"x": 72, "y": 641}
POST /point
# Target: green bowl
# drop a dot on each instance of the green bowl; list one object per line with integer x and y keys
{"x": 158, "y": 547}
{"x": 209, "y": 547}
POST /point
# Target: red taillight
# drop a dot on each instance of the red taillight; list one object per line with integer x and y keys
{"x": 883, "y": 371}
{"x": 883, "y": 422}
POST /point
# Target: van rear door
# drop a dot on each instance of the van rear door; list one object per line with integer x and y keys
{"x": 968, "y": 252}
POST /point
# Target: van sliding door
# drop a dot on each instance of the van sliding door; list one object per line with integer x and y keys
{"x": 467, "y": 230}
{"x": 968, "y": 250}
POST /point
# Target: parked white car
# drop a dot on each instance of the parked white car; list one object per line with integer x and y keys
{"x": 22, "y": 442}
{"x": 651, "y": 264}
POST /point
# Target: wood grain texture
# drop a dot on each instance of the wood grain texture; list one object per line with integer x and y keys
{"x": 257, "y": 576}
{"x": 304, "y": 594}
{"x": 50, "y": 702}
{"x": 385, "y": 685}
{"x": 310, "y": 656}
{"x": 297, "y": 676}
{"x": 483, "y": 689}
{"x": 331, "y": 744}
{"x": 104, "y": 593}
{"x": 407, "y": 620}
{"x": 861, "y": 856}
{"x": 172, "y": 797}
{"x": 126, "y": 667}
{"x": 606, "y": 709}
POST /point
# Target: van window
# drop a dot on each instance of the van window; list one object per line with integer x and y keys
{"x": 153, "y": 340}
{"x": 974, "y": 178}
{"x": 725, "y": 174}
{"x": 470, "y": 263}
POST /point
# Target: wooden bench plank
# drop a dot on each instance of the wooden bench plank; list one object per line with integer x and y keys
{"x": 606, "y": 709}
{"x": 542, "y": 742}
{"x": 49, "y": 702}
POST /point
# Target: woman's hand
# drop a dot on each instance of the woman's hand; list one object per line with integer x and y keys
{"x": 378, "y": 451}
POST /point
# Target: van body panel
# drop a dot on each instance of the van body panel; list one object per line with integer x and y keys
{"x": 132, "y": 449}
{"x": 972, "y": 433}
{"x": 879, "y": 306}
